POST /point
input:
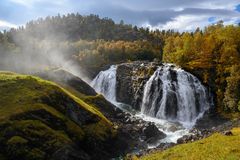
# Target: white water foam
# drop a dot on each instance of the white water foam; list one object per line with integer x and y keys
{"x": 174, "y": 131}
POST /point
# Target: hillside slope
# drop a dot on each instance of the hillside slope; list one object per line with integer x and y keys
{"x": 39, "y": 120}
{"x": 81, "y": 89}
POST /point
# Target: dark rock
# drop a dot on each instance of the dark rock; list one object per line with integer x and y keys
{"x": 195, "y": 134}
{"x": 228, "y": 133}
{"x": 210, "y": 120}
{"x": 70, "y": 108}
{"x": 120, "y": 115}
{"x": 153, "y": 140}
{"x": 164, "y": 146}
{"x": 171, "y": 110}
{"x": 64, "y": 77}
{"x": 172, "y": 128}
{"x": 188, "y": 138}
{"x": 131, "y": 78}
{"x": 151, "y": 131}
{"x": 124, "y": 84}
{"x": 68, "y": 152}
{"x": 182, "y": 139}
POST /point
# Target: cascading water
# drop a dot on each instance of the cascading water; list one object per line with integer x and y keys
{"x": 105, "y": 83}
{"x": 171, "y": 96}
{"x": 174, "y": 94}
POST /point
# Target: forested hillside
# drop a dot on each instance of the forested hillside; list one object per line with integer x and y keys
{"x": 214, "y": 55}
{"x": 80, "y": 38}
{"x": 92, "y": 43}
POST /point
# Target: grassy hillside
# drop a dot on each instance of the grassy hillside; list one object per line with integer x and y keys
{"x": 215, "y": 147}
{"x": 80, "y": 89}
{"x": 40, "y": 120}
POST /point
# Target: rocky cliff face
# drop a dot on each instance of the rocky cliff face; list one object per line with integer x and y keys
{"x": 130, "y": 131}
{"x": 131, "y": 78}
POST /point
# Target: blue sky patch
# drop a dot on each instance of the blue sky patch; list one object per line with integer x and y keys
{"x": 211, "y": 19}
{"x": 238, "y": 8}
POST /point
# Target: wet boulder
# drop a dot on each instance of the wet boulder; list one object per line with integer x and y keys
{"x": 152, "y": 133}
{"x": 130, "y": 81}
{"x": 124, "y": 84}
{"x": 164, "y": 146}
{"x": 227, "y": 133}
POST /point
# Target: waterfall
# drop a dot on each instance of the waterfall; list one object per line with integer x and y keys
{"x": 174, "y": 94}
{"x": 170, "y": 94}
{"x": 105, "y": 83}
{"x": 172, "y": 98}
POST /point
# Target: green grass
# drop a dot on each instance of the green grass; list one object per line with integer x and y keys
{"x": 31, "y": 128}
{"x": 215, "y": 147}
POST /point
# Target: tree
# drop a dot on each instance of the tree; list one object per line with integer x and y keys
{"x": 232, "y": 94}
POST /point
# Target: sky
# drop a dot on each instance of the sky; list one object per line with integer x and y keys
{"x": 181, "y": 15}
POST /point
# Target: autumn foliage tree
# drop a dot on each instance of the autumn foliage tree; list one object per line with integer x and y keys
{"x": 213, "y": 55}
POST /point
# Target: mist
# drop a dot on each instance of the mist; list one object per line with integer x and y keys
{"x": 32, "y": 55}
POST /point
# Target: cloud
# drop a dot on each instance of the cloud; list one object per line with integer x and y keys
{"x": 185, "y": 23}
{"x": 32, "y": 3}
{"x": 176, "y": 4}
{"x": 161, "y": 14}
{"x": 181, "y": 19}
{"x": 26, "y": 3}
{"x": 152, "y": 13}
{"x": 6, "y": 25}
{"x": 191, "y": 18}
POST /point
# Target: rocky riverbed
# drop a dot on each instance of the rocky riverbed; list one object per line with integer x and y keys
{"x": 198, "y": 134}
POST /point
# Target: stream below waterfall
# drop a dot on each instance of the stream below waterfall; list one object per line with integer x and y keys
{"x": 172, "y": 98}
